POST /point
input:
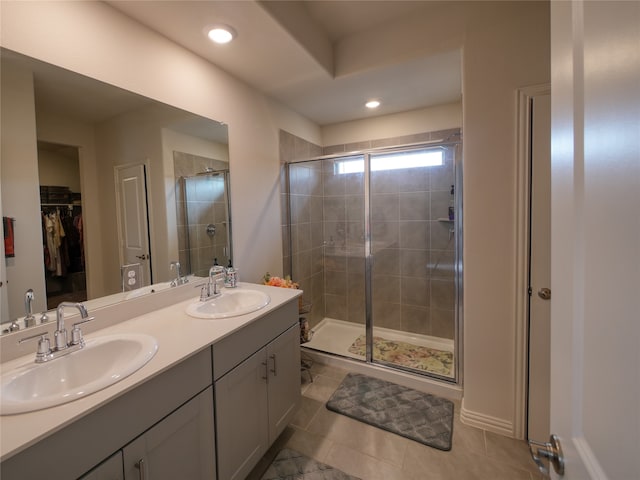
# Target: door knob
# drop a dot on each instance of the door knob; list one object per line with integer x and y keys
{"x": 144, "y": 256}
{"x": 544, "y": 293}
{"x": 550, "y": 450}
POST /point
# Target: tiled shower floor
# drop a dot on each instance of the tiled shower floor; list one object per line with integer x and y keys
{"x": 336, "y": 336}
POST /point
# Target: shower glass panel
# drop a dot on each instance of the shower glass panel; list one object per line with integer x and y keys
{"x": 373, "y": 242}
{"x": 327, "y": 250}
{"x": 206, "y": 233}
{"x": 412, "y": 245}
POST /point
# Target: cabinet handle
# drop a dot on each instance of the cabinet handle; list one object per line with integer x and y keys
{"x": 141, "y": 466}
{"x": 273, "y": 370}
{"x": 266, "y": 370}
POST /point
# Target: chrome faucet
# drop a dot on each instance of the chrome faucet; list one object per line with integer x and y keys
{"x": 179, "y": 280}
{"x": 61, "y": 346}
{"x": 211, "y": 289}
{"x": 29, "y": 319}
{"x": 60, "y": 335}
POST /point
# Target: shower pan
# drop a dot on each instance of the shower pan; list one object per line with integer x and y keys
{"x": 375, "y": 242}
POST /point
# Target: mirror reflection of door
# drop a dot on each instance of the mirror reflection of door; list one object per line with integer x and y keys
{"x": 133, "y": 226}
{"x": 62, "y": 223}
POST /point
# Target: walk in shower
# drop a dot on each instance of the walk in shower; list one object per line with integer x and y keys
{"x": 375, "y": 242}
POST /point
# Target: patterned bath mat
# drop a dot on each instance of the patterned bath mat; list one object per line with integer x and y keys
{"x": 415, "y": 415}
{"x": 401, "y": 353}
{"x": 291, "y": 465}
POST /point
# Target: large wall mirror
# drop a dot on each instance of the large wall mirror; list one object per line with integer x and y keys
{"x": 94, "y": 178}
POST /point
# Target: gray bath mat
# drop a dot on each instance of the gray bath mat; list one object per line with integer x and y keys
{"x": 416, "y": 415}
{"x": 291, "y": 465}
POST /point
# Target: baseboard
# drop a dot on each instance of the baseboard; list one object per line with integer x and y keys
{"x": 486, "y": 422}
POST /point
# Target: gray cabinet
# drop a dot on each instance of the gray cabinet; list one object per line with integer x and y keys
{"x": 180, "y": 446}
{"x": 110, "y": 469}
{"x": 283, "y": 385}
{"x": 82, "y": 447}
{"x": 254, "y": 403}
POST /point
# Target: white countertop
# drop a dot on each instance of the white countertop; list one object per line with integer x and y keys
{"x": 178, "y": 335}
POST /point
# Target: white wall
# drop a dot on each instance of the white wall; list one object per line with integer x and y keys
{"x": 60, "y": 170}
{"x": 507, "y": 46}
{"x": 191, "y": 84}
{"x": 20, "y": 193}
{"x": 430, "y": 119}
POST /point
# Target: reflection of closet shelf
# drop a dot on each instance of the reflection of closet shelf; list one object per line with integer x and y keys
{"x": 61, "y": 204}
{"x": 68, "y": 206}
{"x": 444, "y": 219}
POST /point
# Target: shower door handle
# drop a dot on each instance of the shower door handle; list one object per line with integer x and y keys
{"x": 544, "y": 293}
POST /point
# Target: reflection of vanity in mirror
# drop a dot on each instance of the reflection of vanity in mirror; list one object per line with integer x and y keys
{"x": 133, "y": 181}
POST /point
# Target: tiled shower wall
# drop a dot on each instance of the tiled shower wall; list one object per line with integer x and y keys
{"x": 412, "y": 240}
{"x": 205, "y": 202}
{"x": 303, "y": 250}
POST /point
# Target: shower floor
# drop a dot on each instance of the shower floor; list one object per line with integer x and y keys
{"x": 337, "y": 337}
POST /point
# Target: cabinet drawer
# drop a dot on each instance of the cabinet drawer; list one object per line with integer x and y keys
{"x": 234, "y": 349}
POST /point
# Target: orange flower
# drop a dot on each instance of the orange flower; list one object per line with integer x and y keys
{"x": 279, "y": 282}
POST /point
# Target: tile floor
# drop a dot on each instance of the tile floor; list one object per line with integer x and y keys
{"x": 373, "y": 454}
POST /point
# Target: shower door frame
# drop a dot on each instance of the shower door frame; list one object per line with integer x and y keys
{"x": 458, "y": 244}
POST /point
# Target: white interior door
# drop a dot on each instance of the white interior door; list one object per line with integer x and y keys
{"x": 595, "y": 248}
{"x": 133, "y": 223}
{"x": 540, "y": 270}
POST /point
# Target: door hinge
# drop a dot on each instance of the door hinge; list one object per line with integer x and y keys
{"x": 530, "y": 291}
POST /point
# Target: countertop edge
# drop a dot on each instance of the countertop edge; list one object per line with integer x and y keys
{"x": 179, "y": 337}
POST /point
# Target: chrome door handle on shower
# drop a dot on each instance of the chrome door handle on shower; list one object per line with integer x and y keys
{"x": 544, "y": 293}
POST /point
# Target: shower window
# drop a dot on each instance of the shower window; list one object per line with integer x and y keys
{"x": 392, "y": 161}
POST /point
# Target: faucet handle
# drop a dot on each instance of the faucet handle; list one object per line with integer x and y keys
{"x": 44, "y": 345}
{"x": 204, "y": 293}
{"x": 76, "y": 333}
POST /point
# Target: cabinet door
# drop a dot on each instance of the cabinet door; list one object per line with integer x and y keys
{"x": 110, "y": 469}
{"x": 283, "y": 357}
{"x": 241, "y": 417}
{"x": 180, "y": 446}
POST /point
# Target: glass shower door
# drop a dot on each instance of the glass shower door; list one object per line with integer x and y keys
{"x": 413, "y": 256}
{"x": 206, "y": 233}
{"x": 327, "y": 238}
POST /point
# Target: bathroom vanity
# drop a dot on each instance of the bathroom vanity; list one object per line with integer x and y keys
{"x": 209, "y": 404}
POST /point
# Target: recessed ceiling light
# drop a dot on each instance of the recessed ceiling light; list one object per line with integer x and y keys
{"x": 372, "y": 104}
{"x": 221, "y": 34}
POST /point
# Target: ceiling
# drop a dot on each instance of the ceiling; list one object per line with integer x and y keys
{"x": 290, "y": 50}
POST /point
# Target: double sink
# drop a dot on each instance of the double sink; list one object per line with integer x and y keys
{"x": 105, "y": 359}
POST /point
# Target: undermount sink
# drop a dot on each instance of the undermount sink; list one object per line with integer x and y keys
{"x": 102, "y": 362}
{"x": 230, "y": 303}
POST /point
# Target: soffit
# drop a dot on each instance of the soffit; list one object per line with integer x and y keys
{"x": 284, "y": 56}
